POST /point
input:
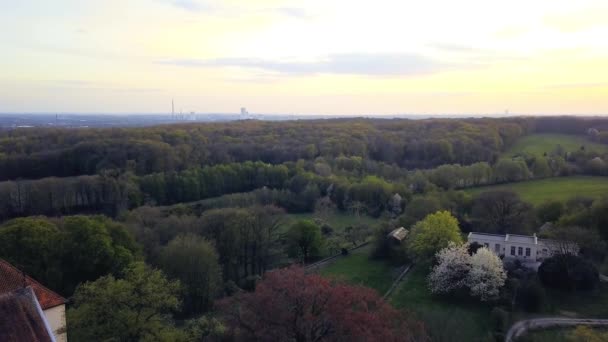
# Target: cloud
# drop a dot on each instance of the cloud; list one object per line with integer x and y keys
{"x": 450, "y": 47}
{"x": 346, "y": 64}
{"x": 578, "y": 85}
{"x": 232, "y": 11}
{"x": 293, "y": 12}
{"x": 471, "y": 56}
{"x": 190, "y": 5}
{"x": 578, "y": 20}
{"x": 95, "y": 85}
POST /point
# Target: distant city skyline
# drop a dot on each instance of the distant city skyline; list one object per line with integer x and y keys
{"x": 327, "y": 57}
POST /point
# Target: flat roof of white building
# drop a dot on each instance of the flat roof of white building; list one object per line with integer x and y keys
{"x": 486, "y": 236}
{"x": 533, "y": 240}
{"x": 521, "y": 239}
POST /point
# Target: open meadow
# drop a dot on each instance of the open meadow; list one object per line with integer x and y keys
{"x": 447, "y": 319}
{"x": 538, "y": 144}
{"x": 561, "y": 188}
{"x": 358, "y": 268}
{"x": 338, "y": 220}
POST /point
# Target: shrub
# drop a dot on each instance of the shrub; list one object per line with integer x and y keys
{"x": 500, "y": 319}
{"x": 568, "y": 272}
{"x": 531, "y": 296}
{"x": 327, "y": 230}
{"x": 473, "y": 247}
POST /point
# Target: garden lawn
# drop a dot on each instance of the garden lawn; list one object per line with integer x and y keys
{"x": 358, "y": 268}
{"x": 559, "y": 188}
{"x": 538, "y": 144}
{"x": 447, "y": 319}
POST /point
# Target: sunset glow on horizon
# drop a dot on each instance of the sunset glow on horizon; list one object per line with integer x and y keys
{"x": 304, "y": 57}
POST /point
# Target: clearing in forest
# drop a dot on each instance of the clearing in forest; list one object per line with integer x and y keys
{"x": 560, "y": 188}
{"x": 539, "y": 144}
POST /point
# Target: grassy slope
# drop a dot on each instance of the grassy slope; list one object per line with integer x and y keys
{"x": 448, "y": 319}
{"x": 538, "y": 191}
{"x": 451, "y": 318}
{"x": 359, "y": 269}
{"x": 538, "y": 144}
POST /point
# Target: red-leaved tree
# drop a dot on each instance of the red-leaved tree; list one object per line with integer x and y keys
{"x": 290, "y": 305}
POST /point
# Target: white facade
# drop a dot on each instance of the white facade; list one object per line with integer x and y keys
{"x": 522, "y": 247}
{"x": 55, "y": 316}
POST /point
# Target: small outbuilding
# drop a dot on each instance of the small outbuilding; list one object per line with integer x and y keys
{"x": 398, "y": 235}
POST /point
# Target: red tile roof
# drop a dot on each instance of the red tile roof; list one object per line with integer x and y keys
{"x": 12, "y": 279}
{"x": 22, "y": 318}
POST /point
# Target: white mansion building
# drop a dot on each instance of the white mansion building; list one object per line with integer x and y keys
{"x": 523, "y": 247}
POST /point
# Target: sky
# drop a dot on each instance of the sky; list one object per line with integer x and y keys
{"x": 304, "y": 57}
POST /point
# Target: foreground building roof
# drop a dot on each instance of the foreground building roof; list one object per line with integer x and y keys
{"x": 12, "y": 279}
{"x": 22, "y": 319}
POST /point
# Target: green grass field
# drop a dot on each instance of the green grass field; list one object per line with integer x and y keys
{"x": 538, "y": 144}
{"x": 359, "y": 269}
{"x": 582, "y": 304}
{"x": 552, "y": 335}
{"x": 447, "y": 319}
{"x": 548, "y": 335}
{"x": 562, "y": 188}
{"x": 338, "y": 221}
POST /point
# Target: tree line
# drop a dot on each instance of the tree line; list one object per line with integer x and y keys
{"x": 44, "y": 152}
{"x": 349, "y": 182}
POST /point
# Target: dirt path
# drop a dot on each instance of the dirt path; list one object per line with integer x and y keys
{"x": 520, "y": 328}
{"x": 397, "y": 281}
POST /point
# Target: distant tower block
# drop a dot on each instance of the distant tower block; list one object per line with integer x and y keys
{"x": 244, "y": 111}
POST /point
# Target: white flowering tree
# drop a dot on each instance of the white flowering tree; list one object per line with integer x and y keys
{"x": 483, "y": 273}
{"x": 487, "y": 275}
{"x": 452, "y": 269}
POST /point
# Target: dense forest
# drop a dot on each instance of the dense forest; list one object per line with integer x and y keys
{"x": 61, "y": 171}
{"x": 100, "y": 211}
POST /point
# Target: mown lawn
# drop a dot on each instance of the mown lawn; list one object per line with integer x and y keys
{"x": 359, "y": 269}
{"x": 560, "y": 188}
{"x": 447, "y": 319}
{"x": 538, "y": 144}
